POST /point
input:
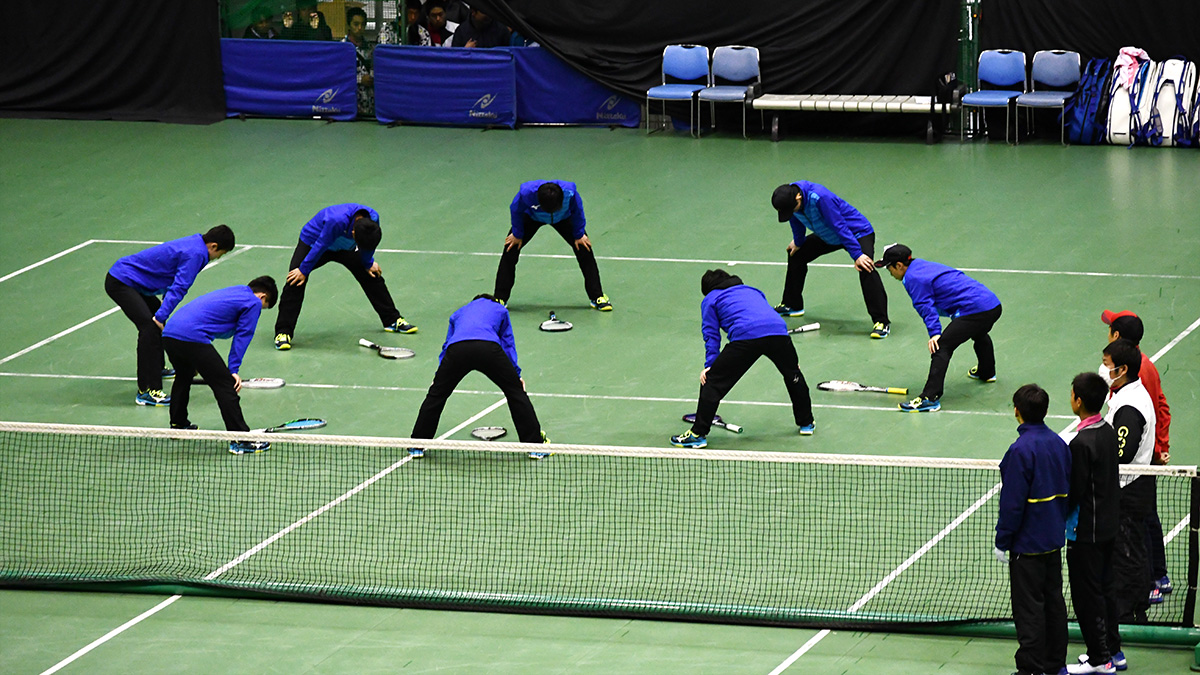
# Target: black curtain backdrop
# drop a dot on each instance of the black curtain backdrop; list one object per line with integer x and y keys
{"x": 107, "y": 59}
{"x": 805, "y": 46}
{"x": 1094, "y": 28}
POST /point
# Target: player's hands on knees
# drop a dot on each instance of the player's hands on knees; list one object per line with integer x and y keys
{"x": 374, "y": 270}
{"x": 792, "y": 247}
{"x": 584, "y": 242}
{"x": 864, "y": 263}
{"x": 511, "y": 242}
{"x": 295, "y": 278}
{"x": 933, "y": 343}
{"x": 237, "y": 382}
{"x": 522, "y": 384}
{"x": 704, "y": 376}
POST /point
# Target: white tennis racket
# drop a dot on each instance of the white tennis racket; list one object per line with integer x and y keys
{"x": 388, "y": 352}
{"x": 805, "y": 328}
{"x": 488, "y": 433}
{"x": 846, "y": 385}
{"x": 262, "y": 383}
{"x": 717, "y": 422}
{"x": 553, "y": 325}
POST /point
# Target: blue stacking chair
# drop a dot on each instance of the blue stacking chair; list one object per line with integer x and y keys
{"x": 734, "y": 72}
{"x": 1002, "y": 69}
{"x": 687, "y": 67}
{"x": 1052, "y": 68}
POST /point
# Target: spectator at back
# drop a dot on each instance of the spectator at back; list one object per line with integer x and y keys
{"x": 260, "y": 28}
{"x": 307, "y": 23}
{"x": 356, "y": 24}
{"x": 435, "y": 23}
{"x": 481, "y": 30}
{"x": 391, "y": 31}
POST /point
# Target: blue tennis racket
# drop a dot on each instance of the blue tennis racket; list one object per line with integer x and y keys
{"x": 297, "y": 425}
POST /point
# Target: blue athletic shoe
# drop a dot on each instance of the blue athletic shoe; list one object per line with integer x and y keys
{"x": 881, "y": 330}
{"x": 784, "y": 310}
{"x": 168, "y": 373}
{"x": 248, "y": 447}
{"x": 921, "y": 404}
{"x": 400, "y": 326}
{"x": 973, "y": 373}
{"x": 541, "y": 455}
{"x": 602, "y": 303}
{"x": 808, "y": 429}
{"x": 689, "y": 440}
{"x": 1163, "y": 585}
{"x": 153, "y": 397}
{"x": 416, "y": 453}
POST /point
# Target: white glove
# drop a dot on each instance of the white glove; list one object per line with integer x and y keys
{"x": 1002, "y": 556}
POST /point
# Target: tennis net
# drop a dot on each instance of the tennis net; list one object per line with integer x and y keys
{"x": 745, "y": 537}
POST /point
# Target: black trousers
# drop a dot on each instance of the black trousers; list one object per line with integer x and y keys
{"x": 190, "y": 359}
{"x": 733, "y": 362}
{"x": 488, "y": 358}
{"x": 506, "y": 274}
{"x": 812, "y": 248}
{"x": 1131, "y": 565}
{"x": 1039, "y": 611}
{"x": 973, "y": 327}
{"x": 140, "y": 310}
{"x": 1090, "y": 565}
{"x": 1155, "y": 548}
{"x": 292, "y": 298}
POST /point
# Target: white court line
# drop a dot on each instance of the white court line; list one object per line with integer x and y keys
{"x": 43, "y": 261}
{"x": 532, "y": 394}
{"x": 701, "y": 261}
{"x": 260, "y": 546}
{"x": 974, "y": 507}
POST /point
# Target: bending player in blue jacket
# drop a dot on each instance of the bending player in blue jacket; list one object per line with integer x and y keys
{"x": 168, "y": 269}
{"x": 1031, "y": 530}
{"x": 754, "y": 330}
{"x": 555, "y": 203}
{"x": 347, "y": 234}
{"x": 479, "y": 338}
{"x": 226, "y": 313}
{"x": 936, "y": 290}
{"x": 835, "y": 225}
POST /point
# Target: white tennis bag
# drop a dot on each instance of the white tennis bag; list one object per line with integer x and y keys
{"x": 1170, "y": 120}
{"x": 1129, "y": 104}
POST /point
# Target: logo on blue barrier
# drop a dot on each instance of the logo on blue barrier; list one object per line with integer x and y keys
{"x": 479, "y": 109}
{"x": 605, "y": 111}
{"x": 324, "y": 98}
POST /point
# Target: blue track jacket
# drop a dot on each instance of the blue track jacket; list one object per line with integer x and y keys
{"x": 226, "y": 313}
{"x": 742, "y": 312}
{"x": 167, "y": 269}
{"x": 1036, "y": 477}
{"x": 330, "y": 230}
{"x": 937, "y": 289}
{"x": 833, "y": 220}
{"x": 525, "y": 205}
{"x": 482, "y": 319}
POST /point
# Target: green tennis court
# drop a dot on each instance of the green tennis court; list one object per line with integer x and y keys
{"x": 1058, "y": 233}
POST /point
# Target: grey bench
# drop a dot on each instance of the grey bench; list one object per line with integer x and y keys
{"x": 865, "y": 103}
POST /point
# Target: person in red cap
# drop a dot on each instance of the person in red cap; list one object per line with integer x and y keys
{"x": 1127, "y": 325}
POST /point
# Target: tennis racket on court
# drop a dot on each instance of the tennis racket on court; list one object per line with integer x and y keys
{"x": 717, "y": 422}
{"x": 388, "y": 352}
{"x": 553, "y": 325}
{"x": 263, "y": 383}
{"x": 296, "y": 425}
{"x": 844, "y": 385}
{"x": 805, "y": 328}
{"x": 488, "y": 433}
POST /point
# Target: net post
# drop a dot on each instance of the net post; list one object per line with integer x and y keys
{"x": 1189, "y": 605}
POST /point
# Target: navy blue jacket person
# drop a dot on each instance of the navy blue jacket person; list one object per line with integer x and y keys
{"x": 835, "y": 225}
{"x": 1035, "y": 477}
{"x": 226, "y": 313}
{"x": 754, "y": 330}
{"x": 937, "y": 290}
{"x": 555, "y": 203}
{"x": 347, "y": 234}
{"x": 169, "y": 269}
{"x": 479, "y": 338}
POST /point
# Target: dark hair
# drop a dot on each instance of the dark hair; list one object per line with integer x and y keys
{"x": 353, "y": 12}
{"x": 265, "y": 284}
{"x": 1129, "y": 327}
{"x": 1125, "y": 353}
{"x": 550, "y": 196}
{"x": 220, "y": 235}
{"x": 367, "y": 233}
{"x": 1032, "y": 402}
{"x": 430, "y": 4}
{"x": 717, "y": 279}
{"x": 486, "y": 296}
{"x": 1091, "y": 391}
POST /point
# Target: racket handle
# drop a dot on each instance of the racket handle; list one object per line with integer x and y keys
{"x": 903, "y": 391}
{"x": 732, "y": 427}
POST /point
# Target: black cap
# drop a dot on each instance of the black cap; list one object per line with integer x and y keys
{"x": 784, "y": 201}
{"x": 893, "y": 254}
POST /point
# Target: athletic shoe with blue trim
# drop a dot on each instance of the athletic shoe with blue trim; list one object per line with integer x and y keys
{"x": 1163, "y": 585}
{"x": 168, "y": 373}
{"x": 153, "y": 397}
{"x": 808, "y": 429}
{"x": 880, "y": 330}
{"x": 973, "y": 373}
{"x": 921, "y": 404}
{"x": 283, "y": 342}
{"x": 602, "y": 303}
{"x": 689, "y": 440}
{"x": 248, "y": 447}
{"x": 1085, "y": 666}
{"x": 1118, "y": 662}
{"x": 400, "y": 326}
{"x": 784, "y": 310}
{"x": 541, "y": 455}
{"x": 416, "y": 453}
{"x": 186, "y": 427}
